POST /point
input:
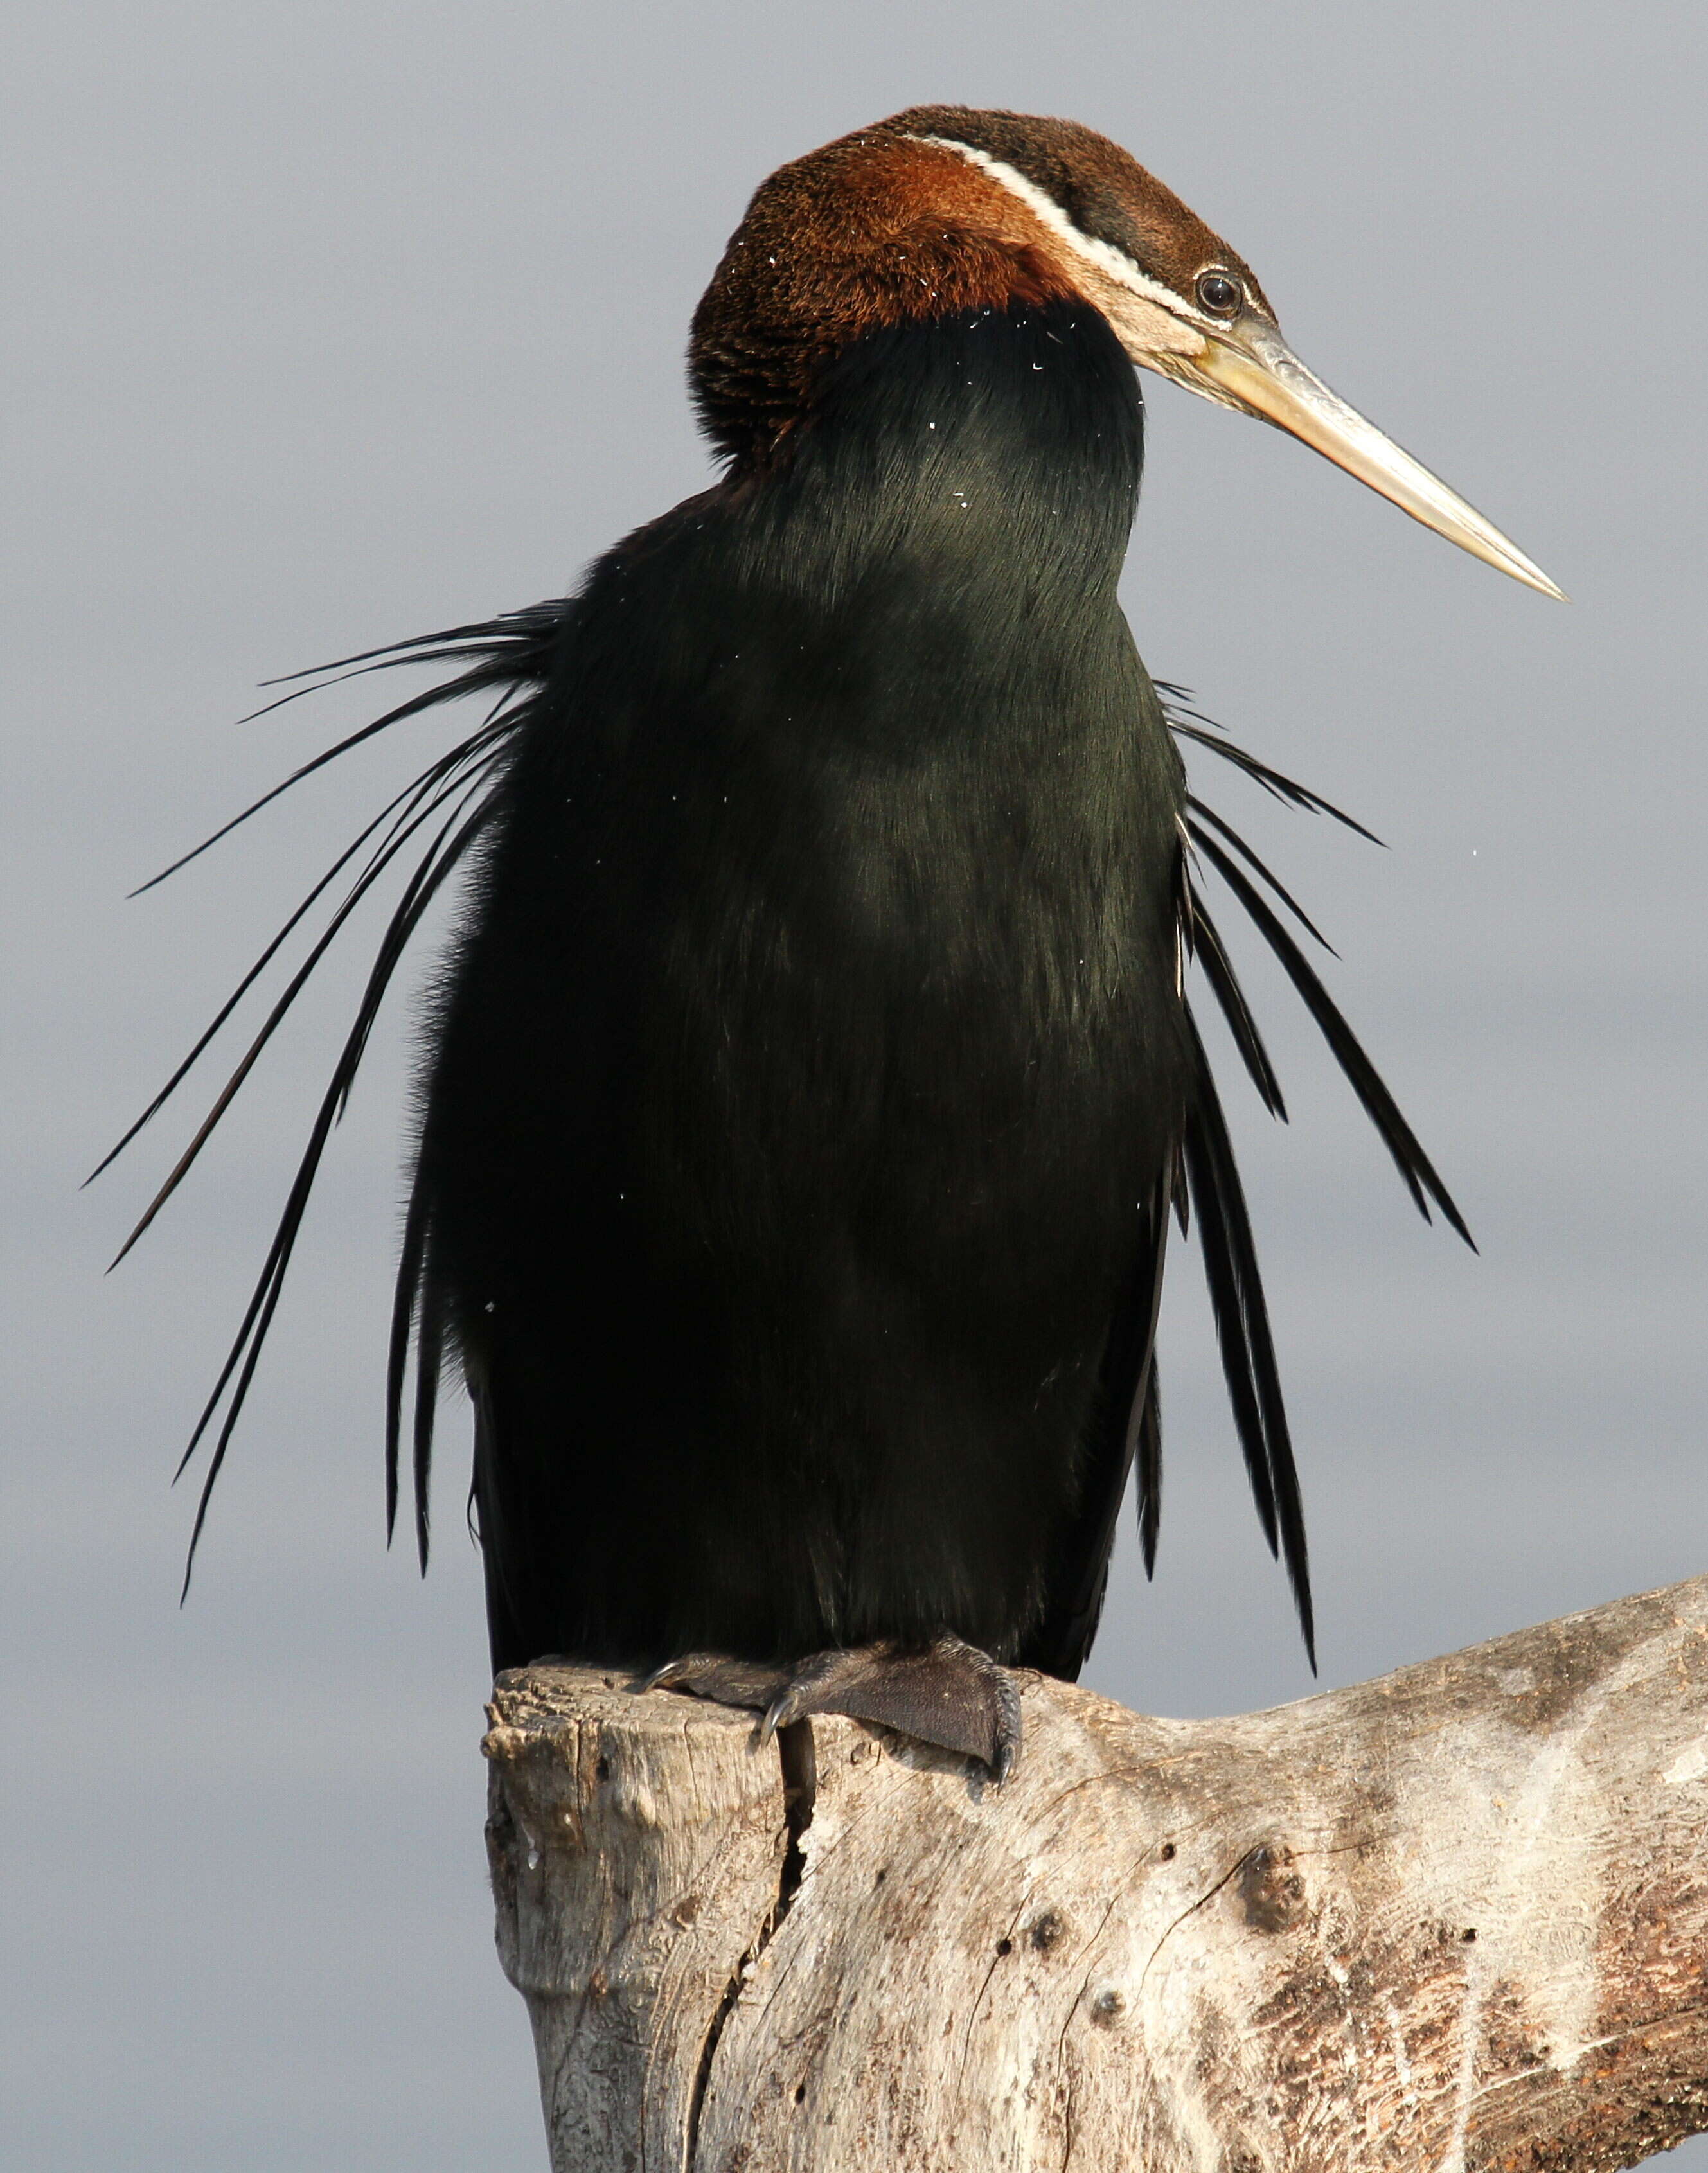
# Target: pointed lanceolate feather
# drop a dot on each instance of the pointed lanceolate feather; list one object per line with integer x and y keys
{"x": 294, "y": 988}
{"x": 1185, "y": 919}
{"x": 1180, "y": 1197}
{"x": 411, "y": 1256}
{"x": 1147, "y": 1463}
{"x": 430, "y": 1357}
{"x": 1272, "y": 780}
{"x": 417, "y": 803}
{"x": 1242, "y": 1330}
{"x": 1145, "y": 1419}
{"x": 1228, "y": 1307}
{"x": 511, "y": 657}
{"x": 1412, "y": 1164}
{"x": 1225, "y": 985}
{"x": 523, "y": 638}
{"x": 1198, "y": 813}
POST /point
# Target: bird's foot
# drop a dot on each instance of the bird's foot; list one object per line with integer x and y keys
{"x": 950, "y": 1694}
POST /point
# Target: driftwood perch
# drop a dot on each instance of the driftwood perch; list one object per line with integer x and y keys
{"x": 1454, "y": 1918}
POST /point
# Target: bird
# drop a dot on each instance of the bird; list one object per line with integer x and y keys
{"x": 812, "y": 1077}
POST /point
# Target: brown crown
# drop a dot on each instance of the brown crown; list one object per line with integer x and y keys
{"x": 878, "y": 228}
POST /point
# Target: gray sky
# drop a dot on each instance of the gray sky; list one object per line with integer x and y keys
{"x": 340, "y": 322}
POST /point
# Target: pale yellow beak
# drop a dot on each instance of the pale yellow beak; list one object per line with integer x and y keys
{"x": 1251, "y": 367}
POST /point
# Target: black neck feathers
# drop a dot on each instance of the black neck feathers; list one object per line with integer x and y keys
{"x": 1007, "y": 438}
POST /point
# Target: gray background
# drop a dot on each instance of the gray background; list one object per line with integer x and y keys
{"x": 334, "y": 322}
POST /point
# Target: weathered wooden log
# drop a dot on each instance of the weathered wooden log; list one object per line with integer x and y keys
{"x": 1454, "y": 1918}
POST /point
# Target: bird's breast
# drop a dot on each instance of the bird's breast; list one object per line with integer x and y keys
{"x": 922, "y": 960}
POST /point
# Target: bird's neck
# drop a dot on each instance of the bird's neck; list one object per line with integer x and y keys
{"x": 996, "y": 448}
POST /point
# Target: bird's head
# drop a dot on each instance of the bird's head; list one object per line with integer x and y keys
{"x": 944, "y": 209}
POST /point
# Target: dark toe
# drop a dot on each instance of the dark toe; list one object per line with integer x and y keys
{"x": 951, "y": 1695}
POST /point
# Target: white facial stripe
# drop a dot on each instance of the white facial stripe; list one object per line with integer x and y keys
{"x": 1114, "y": 263}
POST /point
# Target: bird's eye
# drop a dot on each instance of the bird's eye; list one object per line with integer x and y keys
{"x": 1218, "y": 294}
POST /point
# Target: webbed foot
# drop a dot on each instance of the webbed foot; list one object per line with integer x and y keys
{"x": 950, "y": 1694}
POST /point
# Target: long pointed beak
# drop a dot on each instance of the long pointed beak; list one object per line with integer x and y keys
{"x": 1252, "y": 367}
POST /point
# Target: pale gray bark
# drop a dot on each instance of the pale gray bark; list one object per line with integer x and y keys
{"x": 1454, "y": 1918}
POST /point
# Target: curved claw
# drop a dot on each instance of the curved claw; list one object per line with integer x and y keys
{"x": 717, "y": 1676}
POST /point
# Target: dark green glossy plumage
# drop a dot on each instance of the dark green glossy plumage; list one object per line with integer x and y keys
{"x": 812, "y": 1078}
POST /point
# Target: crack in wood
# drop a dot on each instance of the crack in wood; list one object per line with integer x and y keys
{"x": 798, "y": 1761}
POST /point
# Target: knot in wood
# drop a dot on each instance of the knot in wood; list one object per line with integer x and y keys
{"x": 1272, "y": 1892}
{"x": 1048, "y": 1930}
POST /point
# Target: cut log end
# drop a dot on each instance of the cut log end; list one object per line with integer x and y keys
{"x": 1453, "y": 1918}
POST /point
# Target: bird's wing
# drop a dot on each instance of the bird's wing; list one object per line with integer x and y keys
{"x": 1128, "y": 1433}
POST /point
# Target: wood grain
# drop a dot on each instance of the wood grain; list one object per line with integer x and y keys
{"x": 1456, "y": 1917}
